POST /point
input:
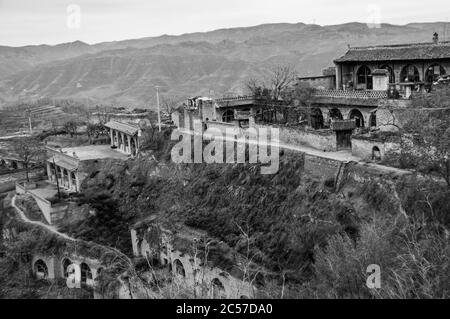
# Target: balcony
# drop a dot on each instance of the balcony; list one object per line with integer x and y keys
{"x": 362, "y": 94}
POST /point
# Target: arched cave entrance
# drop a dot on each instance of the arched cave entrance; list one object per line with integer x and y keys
{"x": 376, "y": 153}
{"x": 179, "y": 268}
{"x": 410, "y": 73}
{"x": 86, "y": 273}
{"x": 217, "y": 289}
{"x": 357, "y": 115}
{"x": 316, "y": 119}
{"x": 335, "y": 114}
{"x": 65, "y": 265}
{"x": 41, "y": 269}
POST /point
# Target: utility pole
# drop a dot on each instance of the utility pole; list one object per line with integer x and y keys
{"x": 56, "y": 176}
{"x": 159, "y": 109}
{"x": 29, "y": 120}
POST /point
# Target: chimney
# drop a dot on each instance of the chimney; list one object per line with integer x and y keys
{"x": 435, "y": 38}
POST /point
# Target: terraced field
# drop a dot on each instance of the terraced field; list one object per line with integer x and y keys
{"x": 15, "y": 120}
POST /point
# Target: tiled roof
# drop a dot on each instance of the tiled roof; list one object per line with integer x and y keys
{"x": 419, "y": 51}
{"x": 123, "y": 127}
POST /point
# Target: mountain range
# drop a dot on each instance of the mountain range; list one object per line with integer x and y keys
{"x": 212, "y": 63}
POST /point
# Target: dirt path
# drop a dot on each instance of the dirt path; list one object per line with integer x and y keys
{"x": 40, "y": 224}
{"x": 53, "y": 230}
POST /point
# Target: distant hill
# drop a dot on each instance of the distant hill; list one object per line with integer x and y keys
{"x": 216, "y": 62}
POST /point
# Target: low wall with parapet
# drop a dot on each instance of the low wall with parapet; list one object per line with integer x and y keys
{"x": 323, "y": 140}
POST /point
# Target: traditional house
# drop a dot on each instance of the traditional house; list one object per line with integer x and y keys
{"x": 69, "y": 166}
{"x": 409, "y": 66}
{"x": 124, "y": 137}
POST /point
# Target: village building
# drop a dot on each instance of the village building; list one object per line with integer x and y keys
{"x": 124, "y": 137}
{"x": 410, "y": 67}
{"x": 370, "y": 89}
{"x": 69, "y": 166}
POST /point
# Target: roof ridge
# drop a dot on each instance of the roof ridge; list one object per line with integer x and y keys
{"x": 400, "y": 45}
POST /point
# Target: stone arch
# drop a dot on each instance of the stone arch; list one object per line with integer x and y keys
{"x": 40, "y": 269}
{"x": 2, "y": 163}
{"x": 391, "y": 73}
{"x": 357, "y": 115}
{"x": 66, "y": 262}
{"x": 316, "y": 118}
{"x": 217, "y": 289}
{"x": 335, "y": 114}
{"x": 179, "y": 268}
{"x": 364, "y": 77}
{"x": 373, "y": 119}
{"x": 434, "y": 72}
{"x": 376, "y": 153}
{"x": 86, "y": 273}
{"x": 409, "y": 73}
{"x": 228, "y": 116}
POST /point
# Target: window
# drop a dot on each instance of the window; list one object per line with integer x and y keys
{"x": 228, "y": 116}
{"x": 434, "y": 72}
{"x": 410, "y": 74}
{"x": 364, "y": 77}
{"x": 391, "y": 73}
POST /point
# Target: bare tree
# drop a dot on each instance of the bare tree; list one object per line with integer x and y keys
{"x": 170, "y": 104}
{"x": 29, "y": 150}
{"x": 253, "y": 87}
{"x": 282, "y": 77}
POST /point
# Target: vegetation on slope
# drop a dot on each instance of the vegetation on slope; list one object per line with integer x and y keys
{"x": 317, "y": 240}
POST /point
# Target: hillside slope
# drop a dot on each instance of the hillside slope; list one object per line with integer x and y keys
{"x": 126, "y": 72}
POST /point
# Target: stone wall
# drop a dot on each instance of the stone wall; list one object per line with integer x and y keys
{"x": 323, "y": 140}
{"x": 321, "y": 168}
{"x": 364, "y": 148}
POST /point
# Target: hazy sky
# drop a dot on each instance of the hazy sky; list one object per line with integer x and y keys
{"x": 24, "y": 22}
